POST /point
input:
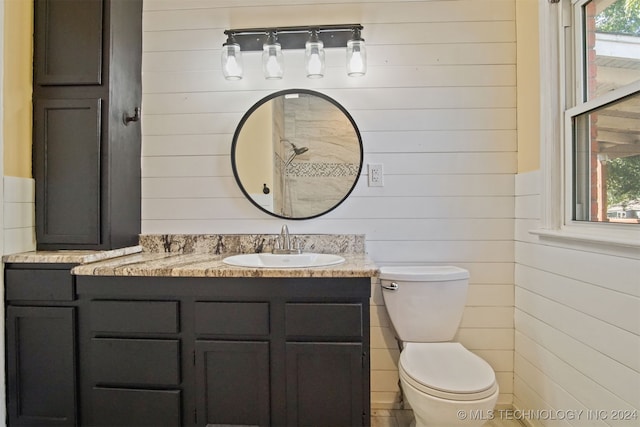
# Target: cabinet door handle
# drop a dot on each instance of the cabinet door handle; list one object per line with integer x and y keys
{"x": 128, "y": 119}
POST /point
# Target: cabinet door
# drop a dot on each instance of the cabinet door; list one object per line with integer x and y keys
{"x": 41, "y": 377}
{"x": 67, "y": 170}
{"x": 72, "y": 54}
{"x": 324, "y": 384}
{"x": 232, "y": 383}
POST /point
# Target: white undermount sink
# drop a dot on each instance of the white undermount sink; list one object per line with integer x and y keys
{"x": 267, "y": 260}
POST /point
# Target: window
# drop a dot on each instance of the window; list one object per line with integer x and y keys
{"x": 606, "y": 161}
{"x": 602, "y": 118}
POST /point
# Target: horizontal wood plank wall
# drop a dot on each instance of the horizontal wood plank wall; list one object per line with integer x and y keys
{"x": 19, "y": 215}
{"x": 436, "y": 108}
{"x": 577, "y": 324}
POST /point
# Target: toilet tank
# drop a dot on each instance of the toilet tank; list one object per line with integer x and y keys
{"x": 424, "y": 303}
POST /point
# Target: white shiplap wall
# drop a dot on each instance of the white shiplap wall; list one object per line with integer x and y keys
{"x": 577, "y": 321}
{"x": 19, "y": 215}
{"x": 436, "y": 108}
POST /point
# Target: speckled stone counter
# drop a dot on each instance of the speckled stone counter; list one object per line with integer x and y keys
{"x": 69, "y": 256}
{"x": 220, "y": 244}
{"x": 202, "y": 255}
{"x": 210, "y": 265}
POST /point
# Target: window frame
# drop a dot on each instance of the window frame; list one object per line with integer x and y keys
{"x": 562, "y": 83}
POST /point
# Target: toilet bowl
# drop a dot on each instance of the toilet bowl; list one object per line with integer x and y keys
{"x": 444, "y": 383}
{"x": 447, "y": 385}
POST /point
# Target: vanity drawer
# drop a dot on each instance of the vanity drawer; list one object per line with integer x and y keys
{"x": 135, "y": 361}
{"x": 39, "y": 285}
{"x": 232, "y": 318}
{"x": 323, "y": 320}
{"x": 135, "y": 316}
{"x": 136, "y": 407}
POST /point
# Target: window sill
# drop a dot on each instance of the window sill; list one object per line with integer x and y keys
{"x": 628, "y": 245}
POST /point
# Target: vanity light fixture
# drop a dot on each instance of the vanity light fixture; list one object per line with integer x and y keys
{"x": 231, "y": 59}
{"x": 313, "y": 39}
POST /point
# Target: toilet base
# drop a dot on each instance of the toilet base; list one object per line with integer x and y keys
{"x": 430, "y": 411}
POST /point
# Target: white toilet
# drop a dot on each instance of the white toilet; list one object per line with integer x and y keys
{"x": 445, "y": 384}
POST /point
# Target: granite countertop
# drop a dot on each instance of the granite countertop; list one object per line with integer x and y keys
{"x": 211, "y": 265}
{"x": 181, "y": 255}
{"x": 69, "y": 256}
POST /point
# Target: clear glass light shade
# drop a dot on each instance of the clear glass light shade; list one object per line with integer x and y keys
{"x": 314, "y": 59}
{"x": 231, "y": 61}
{"x": 272, "y": 61}
{"x": 356, "y": 58}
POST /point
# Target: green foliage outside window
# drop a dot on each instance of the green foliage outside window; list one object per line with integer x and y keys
{"x": 623, "y": 184}
{"x": 622, "y": 17}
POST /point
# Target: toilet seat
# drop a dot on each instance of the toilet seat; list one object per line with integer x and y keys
{"x": 447, "y": 370}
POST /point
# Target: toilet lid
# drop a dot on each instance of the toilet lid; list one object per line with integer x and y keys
{"x": 418, "y": 273}
{"x": 447, "y": 370}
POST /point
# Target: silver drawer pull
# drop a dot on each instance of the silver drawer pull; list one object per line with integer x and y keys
{"x": 393, "y": 286}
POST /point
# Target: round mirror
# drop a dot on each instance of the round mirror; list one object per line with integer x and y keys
{"x": 297, "y": 154}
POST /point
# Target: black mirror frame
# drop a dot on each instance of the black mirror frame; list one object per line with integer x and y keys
{"x": 269, "y": 98}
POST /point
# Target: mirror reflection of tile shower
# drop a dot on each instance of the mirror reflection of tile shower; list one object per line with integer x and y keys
{"x": 314, "y": 152}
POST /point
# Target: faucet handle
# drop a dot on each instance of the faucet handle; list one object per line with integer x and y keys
{"x": 296, "y": 246}
{"x": 277, "y": 244}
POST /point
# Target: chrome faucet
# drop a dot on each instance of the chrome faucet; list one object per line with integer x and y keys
{"x": 283, "y": 243}
{"x": 285, "y": 238}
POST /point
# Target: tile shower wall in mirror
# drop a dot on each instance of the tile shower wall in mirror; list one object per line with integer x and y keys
{"x": 314, "y": 181}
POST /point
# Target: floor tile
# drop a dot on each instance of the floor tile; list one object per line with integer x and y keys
{"x": 403, "y": 418}
{"x": 384, "y": 420}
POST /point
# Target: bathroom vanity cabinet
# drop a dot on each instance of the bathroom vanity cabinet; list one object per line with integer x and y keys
{"x": 193, "y": 351}
{"x": 41, "y": 348}
{"x": 184, "y": 342}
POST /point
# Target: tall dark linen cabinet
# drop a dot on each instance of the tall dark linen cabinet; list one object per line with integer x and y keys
{"x": 86, "y": 132}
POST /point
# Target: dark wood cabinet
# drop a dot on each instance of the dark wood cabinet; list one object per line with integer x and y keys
{"x": 325, "y": 363}
{"x": 231, "y": 351}
{"x": 131, "y": 362}
{"x": 41, "y": 358}
{"x": 67, "y": 171}
{"x": 69, "y": 42}
{"x": 325, "y": 384}
{"x": 166, "y": 351}
{"x": 232, "y": 362}
{"x": 86, "y": 157}
{"x": 41, "y": 350}
{"x": 232, "y": 383}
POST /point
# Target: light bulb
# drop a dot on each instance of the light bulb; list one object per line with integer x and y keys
{"x": 272, "y": 59}
{"x": 314, "y": 56}
{"x": 314, "y": 67}
{"x": 231, "y": 60}
{"x": 356, "y": 56}
{"x": 232, "y": 69}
